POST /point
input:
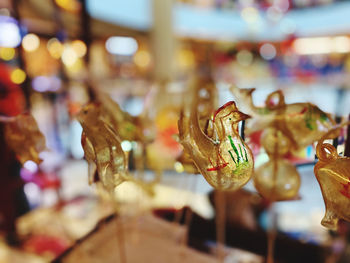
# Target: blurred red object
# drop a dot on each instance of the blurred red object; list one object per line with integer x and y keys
{"x": 46, "y": 245}
{"x": 12, "y": 101}
{"x": 41, "y": 179}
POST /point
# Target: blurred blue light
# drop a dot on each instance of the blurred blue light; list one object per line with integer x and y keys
{"x": 9, "y": 32}
{"x": 125, "y": 46}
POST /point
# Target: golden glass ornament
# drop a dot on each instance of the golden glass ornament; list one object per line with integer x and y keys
{"x": 225, "y": 161}
{"x": 24, "y": 137}
{"x": 205, "y": 94}
{"x": 126, "y": 126}
{"x": 102, "y": 147}
{"x": 287, "y": 128}
{"x": 274, "y": 142}
{"x": 333, "y": 174}
{"x": 277, "y": 180}
{"x": 301, "y": 123}
{"x": 103, "y": 151}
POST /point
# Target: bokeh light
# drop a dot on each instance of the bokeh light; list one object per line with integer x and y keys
{"x": 7, "y": 53}
{"x": 69, "y": 57}
{"x": 79, "y": 47}
{"x": 9, "y": 33}
{"x": 126, "y": 146}
{"x": 18, "y": 76}
{"x": 77, "y": 66}
{"x": 30, "y": 42}
{"x": 250, "y": 14}
{"x": 125, "y": 46}
{"x": 31, "y": 166}
{"x": 322, "y": 45}
{"x": 69, "y": 5}
{"x": 267, "y": 51}
{"x": 179, "y": 167}
{"x": 55, "y": 48}
{"x": 142, "y": 59}
{"x": 46, "y": 83}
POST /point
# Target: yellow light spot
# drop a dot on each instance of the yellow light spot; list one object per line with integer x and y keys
{"x": 250, "y": 14}
{"x": 69, "y": 57}
{"x": 7, "y": 53}
{"x": 55, "y": 48}
{"x": 69, "y": 5}
{"x": 18, "y": 76}
{"x": 142, "y": 59}
{"x": 79, "y": 48}
{"x": 76, "y": 66}
{"x": 179, "y": 167}
{"x": 30, "y": 42}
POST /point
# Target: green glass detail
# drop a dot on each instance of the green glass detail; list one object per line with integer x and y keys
{"x": 234, "y": 148}
{"x": 245, "y": 153}
{"x": 232, "y": 157}
{"x": 324, "y": 117}
{"x": 309, "y": 121}
{"x": 263, "y": 110}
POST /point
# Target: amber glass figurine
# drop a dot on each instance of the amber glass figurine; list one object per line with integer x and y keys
{"x": 286, "y": 128}
{"x": 301, "y": 123}
{"x": 24, "y": 137}
{"x": 205, "y": 94}
{"x": 277, "y": 180}
{"x": 126, "y": 126}
{"x": 103, "y": 152}
{"x": 333, "y": 174}
{"x": 225, "y": 161}
{"x": 102, "y": 147}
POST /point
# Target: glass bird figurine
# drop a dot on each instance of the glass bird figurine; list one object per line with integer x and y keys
{"x": 106, "y": 159}
{"x": 225, "y": 161}
{"x": 205, "y": 94}
{"x": 302, "y": 123}
{"x": 102, "y": 148}
{"x": 286, "y": 128}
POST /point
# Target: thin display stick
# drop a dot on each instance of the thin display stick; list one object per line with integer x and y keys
{"x": 347, "y": 144}
{"x": 220, "y": 204}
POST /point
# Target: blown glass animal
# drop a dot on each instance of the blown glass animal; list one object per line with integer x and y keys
{"x": 333, "y": 174}
{"x": 225, "y": 161}
{"x": 286, "y": 128}
{"x": 24, "y": 137}
{"x": 205, "y": 94}
{"x": 301, "y": 123}
{"x": 102, "y": 148}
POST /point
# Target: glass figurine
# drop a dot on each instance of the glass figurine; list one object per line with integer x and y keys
{"x": 286, "y": 128}
{"x": 333, "y": 174}
{"x": 102, "y": 148}
{"x": 225, "y": 161}
{"x": 24, "y": 137}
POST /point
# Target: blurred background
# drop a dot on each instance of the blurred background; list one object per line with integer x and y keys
{"x": 55, "y": 56}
